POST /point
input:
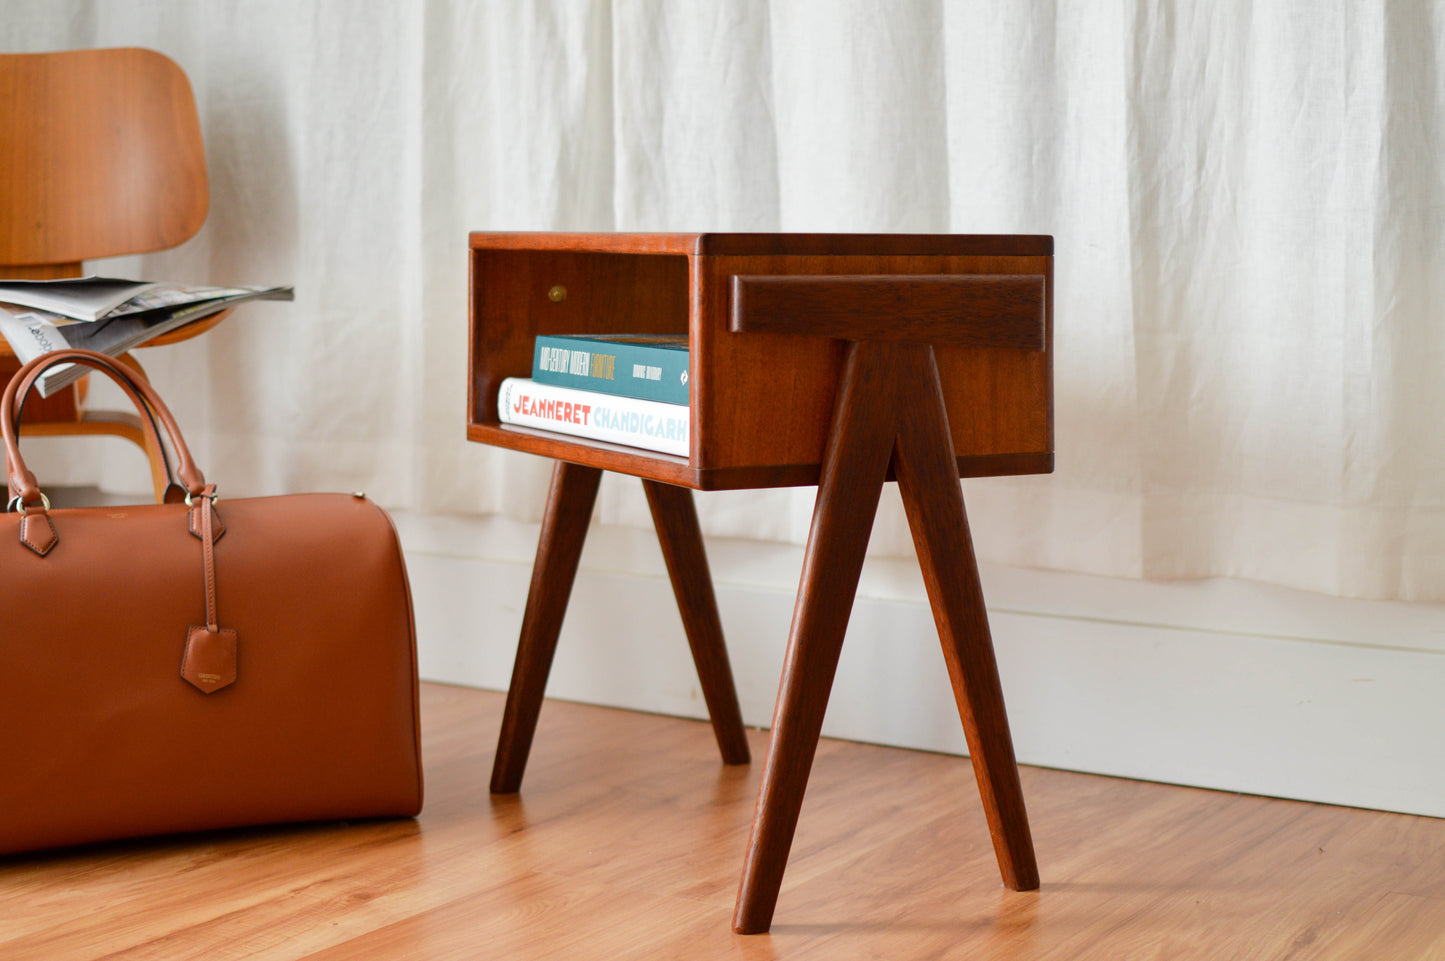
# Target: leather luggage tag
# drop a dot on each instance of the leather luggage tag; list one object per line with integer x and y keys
{"x": 210, "y": 659}
{"x": 38, "y": 539}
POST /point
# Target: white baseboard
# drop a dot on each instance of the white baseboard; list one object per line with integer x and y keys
{"x": 1215, "y": 684}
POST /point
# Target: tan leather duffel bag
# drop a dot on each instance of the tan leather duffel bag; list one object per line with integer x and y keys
{"x": 186, "y": 666}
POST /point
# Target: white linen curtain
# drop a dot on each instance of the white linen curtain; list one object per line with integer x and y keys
{"x": 1247, "y": 198}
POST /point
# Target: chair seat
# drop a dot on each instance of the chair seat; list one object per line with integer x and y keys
{"x": 194, "y": 329}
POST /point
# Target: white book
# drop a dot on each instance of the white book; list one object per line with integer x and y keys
{"x": 648, "y": 424}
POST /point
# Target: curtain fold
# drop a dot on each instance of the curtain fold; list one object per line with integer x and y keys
{"x": 1246, "y": 199}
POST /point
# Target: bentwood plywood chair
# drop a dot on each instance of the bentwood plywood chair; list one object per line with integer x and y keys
{"x": 100, "y": 156}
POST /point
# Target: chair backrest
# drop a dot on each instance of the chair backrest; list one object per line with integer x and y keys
{"x": 100, "y": 156}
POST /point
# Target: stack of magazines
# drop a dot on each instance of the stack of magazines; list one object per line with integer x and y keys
{"x": 106, "y": 315}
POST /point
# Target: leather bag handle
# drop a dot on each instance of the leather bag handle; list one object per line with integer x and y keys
{"x": 148, "y": 425}
{"x": 21, "y": 482}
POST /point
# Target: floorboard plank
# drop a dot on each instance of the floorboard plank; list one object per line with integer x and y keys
{"x": 627, "y": 840}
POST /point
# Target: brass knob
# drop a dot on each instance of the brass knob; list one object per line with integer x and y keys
{"x": 557, "y": 294}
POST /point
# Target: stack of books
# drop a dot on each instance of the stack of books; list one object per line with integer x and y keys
{"x": 621, "y": 388}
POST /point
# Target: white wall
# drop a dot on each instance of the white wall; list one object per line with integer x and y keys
{"x": 1217, "y": 684}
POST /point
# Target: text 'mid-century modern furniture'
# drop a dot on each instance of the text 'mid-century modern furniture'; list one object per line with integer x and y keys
{"x": 844, "y": 361}
{"x": 100, "y": 156}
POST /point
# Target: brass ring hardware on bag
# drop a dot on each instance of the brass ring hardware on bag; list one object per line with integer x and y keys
{"x": 214, "y": 498}
{"x": 17, "y": 502}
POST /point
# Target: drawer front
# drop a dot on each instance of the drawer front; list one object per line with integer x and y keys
{"x": 771, "y": 335}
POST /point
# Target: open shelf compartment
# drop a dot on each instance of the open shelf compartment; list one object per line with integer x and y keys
{"x": 761, "y": 404}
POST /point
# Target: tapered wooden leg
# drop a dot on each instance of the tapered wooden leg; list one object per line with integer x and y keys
{"x": 928, "y": 481}
{"x": 853, "y": 476}
{"x": 564, "y": 528}
{"x": 675, "y": 518}
{"x": 890, "y": 409}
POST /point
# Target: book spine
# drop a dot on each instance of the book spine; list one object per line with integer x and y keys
{"x": 624, "y": 369}
{"x": 583, "y": 413}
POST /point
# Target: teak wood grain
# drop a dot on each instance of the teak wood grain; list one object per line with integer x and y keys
{"x": 849, "y": 360}
{"x": 767, "y": 244}
{"x": 760, "y": 406}
{"x": 680, "y": 537}
{"x": 847, "y": 501}
{"x": 934, "y": 505}
{"x": 559, "y": 549}
{"x": 975, "y": 311}
{"x": 890, "y": 411}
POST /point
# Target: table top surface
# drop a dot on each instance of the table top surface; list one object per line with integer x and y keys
{"x": 753, "y": 244}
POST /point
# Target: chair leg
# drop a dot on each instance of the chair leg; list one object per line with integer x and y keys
{"x": 564, "y": 529}
{"x": 928, "y": 481}
{"x": 160, "y": 480}
{"x": 150, "y": 441}
{"x": 675, "y": 517}
{"x": 853, "y": 475}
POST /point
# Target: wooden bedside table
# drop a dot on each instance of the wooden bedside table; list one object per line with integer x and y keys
{"x": 839, "y": 360}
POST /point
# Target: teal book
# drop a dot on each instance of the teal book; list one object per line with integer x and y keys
{"x": 646, "y": 366}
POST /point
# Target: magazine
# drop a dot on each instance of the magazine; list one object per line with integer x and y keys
{"x": 160, "y": 309}
{"x": 84, "y": 298}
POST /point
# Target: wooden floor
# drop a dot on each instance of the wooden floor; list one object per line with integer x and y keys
{"x": 627, "y": 840}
